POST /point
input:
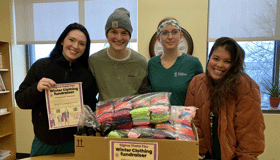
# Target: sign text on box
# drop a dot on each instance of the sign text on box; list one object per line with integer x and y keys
{"x": 126, "y": 150}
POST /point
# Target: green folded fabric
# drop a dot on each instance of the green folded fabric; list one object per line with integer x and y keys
{"x": 114, "y": 134}
{"x": 140, "y": 112}
{"x": 156, "y": 119}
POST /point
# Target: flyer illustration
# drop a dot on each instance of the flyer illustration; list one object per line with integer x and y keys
{"x": 64, "y": 105}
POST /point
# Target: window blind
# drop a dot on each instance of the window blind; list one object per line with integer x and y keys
{"x": 244, "y": 20}
{"x": 42, "y": 21}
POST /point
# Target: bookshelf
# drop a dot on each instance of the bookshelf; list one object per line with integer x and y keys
{"x": 7, "y": 119}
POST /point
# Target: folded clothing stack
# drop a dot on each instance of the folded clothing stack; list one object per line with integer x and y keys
{"x": 140, "y": 116}
{"x": 181, "y": 118}
{"x": 159, "y": 113}
{"x": 160, "y": 100}
{"x": 141, "y": 104}
{"x": 119, "y": 133}
{"x": 104, "y": 114}
{"x": 122, "y": 115}
{"x": 164, "y": 131}
{"x": 134, "y": 133}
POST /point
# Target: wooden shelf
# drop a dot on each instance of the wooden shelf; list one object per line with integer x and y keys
{"x": 2, "y": 114}
{"x": 6, "y": 134}
{"x": 1, "y": 92}
{"x": 4, "y": 70}
{"x": 7, "y": 119}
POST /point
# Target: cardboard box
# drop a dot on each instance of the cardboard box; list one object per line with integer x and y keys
{"x": 98, "y": 148}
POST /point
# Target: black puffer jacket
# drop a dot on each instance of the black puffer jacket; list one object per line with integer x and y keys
{"x": 61, "y": 71}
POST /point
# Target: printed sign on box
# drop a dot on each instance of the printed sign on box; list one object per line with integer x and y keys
{"x": 126, "y": 150}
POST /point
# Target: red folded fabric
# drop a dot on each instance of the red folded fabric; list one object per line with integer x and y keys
{"x": 105, "y": 118}
{"x": 126, "y": 126}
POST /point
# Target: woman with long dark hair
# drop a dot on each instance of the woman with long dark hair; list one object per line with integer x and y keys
{"x": 229, "y": 119}
{"x": 68, "y": 62}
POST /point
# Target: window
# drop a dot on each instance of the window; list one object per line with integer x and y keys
{"x": 39, "y": 23}
{"x": 42, "y": 21}
{"x": 43, "y": 50}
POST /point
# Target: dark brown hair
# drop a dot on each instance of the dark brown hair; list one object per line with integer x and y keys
{"x": 225, "y": 89}
{"x": 58, "y": 48}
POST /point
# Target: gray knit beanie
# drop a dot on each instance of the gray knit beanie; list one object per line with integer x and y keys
{"x": 120, "y": 18}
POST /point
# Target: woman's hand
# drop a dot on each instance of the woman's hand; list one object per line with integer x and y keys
{"x": 45, "y": 84}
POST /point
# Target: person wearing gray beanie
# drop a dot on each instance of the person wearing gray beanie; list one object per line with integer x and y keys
{"x": 119, "y": 71}
{"x": 120, "y": 18}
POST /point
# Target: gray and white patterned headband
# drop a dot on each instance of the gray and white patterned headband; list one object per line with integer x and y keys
{"x": 168, "y": 22}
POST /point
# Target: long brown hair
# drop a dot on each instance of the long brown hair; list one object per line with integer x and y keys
{"x": 226, "y": 88}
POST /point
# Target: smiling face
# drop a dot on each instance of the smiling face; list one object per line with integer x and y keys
{"x": 118, "y": 38}
{"x": 170, "y": 37}
{"x": 219, "y": 63}
{"x": 74, "y": 45}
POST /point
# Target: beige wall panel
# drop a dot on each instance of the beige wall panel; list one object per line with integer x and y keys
{"x": 24, "y": 130}
{"x": 191, "y": 14}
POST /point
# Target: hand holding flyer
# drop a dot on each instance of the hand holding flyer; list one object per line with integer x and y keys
{"x": 64, "y": 104}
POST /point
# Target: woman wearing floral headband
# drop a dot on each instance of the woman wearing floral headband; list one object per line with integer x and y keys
{"x": 173, "y": 70}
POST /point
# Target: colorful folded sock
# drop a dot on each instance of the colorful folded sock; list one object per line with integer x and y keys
{"x": 146, "y": 132}
{"x": 123, "y": 105}
{"x": 164, "y": 126}
{"x": 181, "y": 137}
{"x": 105, "y": 118}
{"x": 141, "y": 104}
{"x": 160, "y": 100}
{"x": 160, "y": 114}
{"x": 140, "y": 119}
{"x": 125, "y": 126}
{"x": 104, "y": 110}
{"x": 122, "y": 121}
{"x": 183, "y": 130}
{"x": 158, "y": 108}
{"x": 114, "y": 134}
{"x": 142, "y": 123}
{"x": 134, "y": 133}
{"x": 123, "y": 132}
{"x": 140, "y": 112}
{"x": 122, "y": 114}
{"x": 155, "y": 119}
{"x": 144, "y": 126}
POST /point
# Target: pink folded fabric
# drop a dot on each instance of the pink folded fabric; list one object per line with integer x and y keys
{"x": 158, "y": 109}
{"x": 141, "y": 103}
{"x": 142, "y": 123}
{"x": 133, "y": 135}
{"x": 123, "y": 105}
{"x": 103, "y": 110}
{"x": 160, "y": 100}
